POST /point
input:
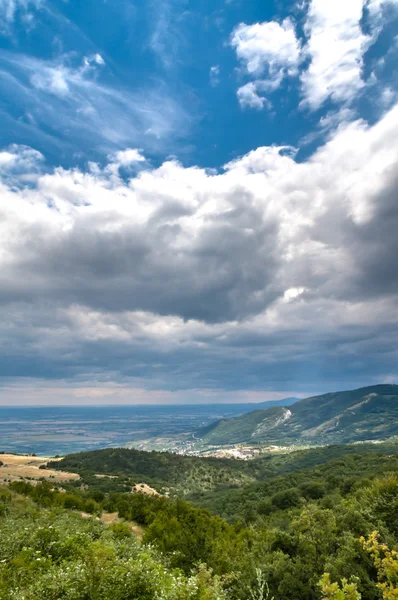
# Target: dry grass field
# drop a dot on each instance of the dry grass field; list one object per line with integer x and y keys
{"x": 143, "y": 488}
{"x": 16, "y": 467}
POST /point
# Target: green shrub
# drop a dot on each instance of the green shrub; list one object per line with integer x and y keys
{"x": 286, "y": 499}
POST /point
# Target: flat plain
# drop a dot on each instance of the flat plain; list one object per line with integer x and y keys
{"x": 51, "y": 430}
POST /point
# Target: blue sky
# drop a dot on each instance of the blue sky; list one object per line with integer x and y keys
{"x": 79, "y": 80}
{"x": 198, "y": 198}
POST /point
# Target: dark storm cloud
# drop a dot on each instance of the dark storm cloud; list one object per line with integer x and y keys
{"x": 223, "y": 271}
{"x": 376, "y": 244}
{"x": 273, "y": 272}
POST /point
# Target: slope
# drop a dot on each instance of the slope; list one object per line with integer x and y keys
{"x": 162, "y": 470}
{"x": 249, "y": 427}
{"x": 368, "y": 413}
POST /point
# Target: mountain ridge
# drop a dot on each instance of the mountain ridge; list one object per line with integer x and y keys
{"x": 367, "y": 413}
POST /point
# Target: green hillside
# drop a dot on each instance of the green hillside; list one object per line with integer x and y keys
{"x": 250, "y": 427}
{"x": 309, "y": 473}
{"x": 293, "y": 531}
{"x": 183, "y": 474}
{"x": 369, "y": 413}
{"x": 187, "y": 475}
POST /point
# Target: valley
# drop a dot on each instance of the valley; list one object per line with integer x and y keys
{"x": 264, "y": 500}
{"x": 64, "y": 429}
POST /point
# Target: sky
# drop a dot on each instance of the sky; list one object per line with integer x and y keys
{"x": 198, "y": 200}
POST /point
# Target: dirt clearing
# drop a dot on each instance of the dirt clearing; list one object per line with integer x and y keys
{"x": 113, "y": 518}
{"x": 143, "y": 488}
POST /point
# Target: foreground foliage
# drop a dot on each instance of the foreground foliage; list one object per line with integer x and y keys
{"x": 48, "y": 555}
{"x": 386, "y": 562}
{"x": 306, "y": 532}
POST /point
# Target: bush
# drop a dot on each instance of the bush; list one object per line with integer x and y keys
{"x": 286, "y": 499}
{"x": 46, "y": 555}
{"x": 313, "y": 490}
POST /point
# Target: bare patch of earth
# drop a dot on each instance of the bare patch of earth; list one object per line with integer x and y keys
{"x": 112, "y": 518}
{"x": 143, "y": 488}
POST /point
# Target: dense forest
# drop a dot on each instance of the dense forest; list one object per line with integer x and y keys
{"x": 190, "y": 475}
{"x": 321, "y": 523}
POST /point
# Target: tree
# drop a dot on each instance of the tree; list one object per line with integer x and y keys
{"x": 332, "y": 591}
{"x": 386, "y": 563}
{"x": 286, "y": 499}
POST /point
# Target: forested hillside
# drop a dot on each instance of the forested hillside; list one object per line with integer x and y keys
{"x": 185, "y": 475}
{"x": 303, "y": 532}
{"x": 164, "y": 470}
{"x": 293, "y": 481}
{"x": 369, "y": 413}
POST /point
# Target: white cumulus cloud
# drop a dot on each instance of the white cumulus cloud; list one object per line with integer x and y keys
{"x": 335, "y": 47}
{"x": 248, "y": 95}
{"x": 268, "y": 51}
{"x": 329, "y": 58}
{"x": 268, "y": 46}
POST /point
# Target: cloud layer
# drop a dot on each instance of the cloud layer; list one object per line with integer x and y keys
{"x": 272, "y": 270}
{"x": 127, "y": 273}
